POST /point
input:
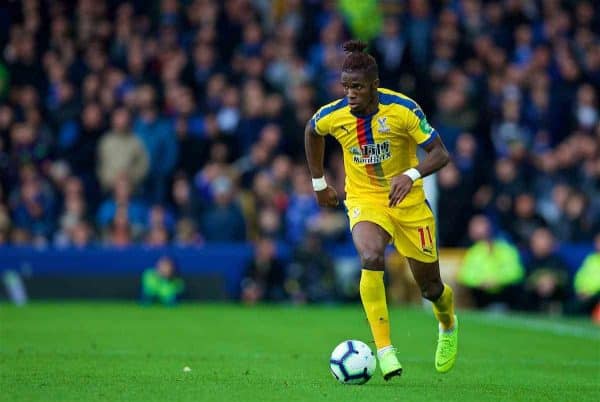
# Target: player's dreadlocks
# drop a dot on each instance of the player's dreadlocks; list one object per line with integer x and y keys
{"x": 358, "y": 60}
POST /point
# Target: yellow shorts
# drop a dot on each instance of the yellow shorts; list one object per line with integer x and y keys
{"x": 412, "y": 228}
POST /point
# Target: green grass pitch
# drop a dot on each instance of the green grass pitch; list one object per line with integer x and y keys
{"x": 124, "y": 352}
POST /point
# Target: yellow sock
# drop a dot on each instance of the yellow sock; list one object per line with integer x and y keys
{"x": 372, "y": 294}
{"x": 443, "y": 308}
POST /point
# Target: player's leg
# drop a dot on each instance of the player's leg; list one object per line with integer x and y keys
{"x": 416, "y": 239}
{"x": 370, "y": 241}
{"x": 427, "y": 276}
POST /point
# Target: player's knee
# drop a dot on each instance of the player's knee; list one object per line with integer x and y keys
{"x": 432, "y": 290}
{"x": 372, "y": 259}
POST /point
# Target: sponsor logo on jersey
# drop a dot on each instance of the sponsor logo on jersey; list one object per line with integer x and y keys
{"x": 355, "y": 212}
{"x": 370, "y": 154}
{"x": 424, "y": 126}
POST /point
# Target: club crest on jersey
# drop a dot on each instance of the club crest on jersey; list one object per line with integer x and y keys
{"x": 383, "y": 127}
{"x": 369, "y": 154}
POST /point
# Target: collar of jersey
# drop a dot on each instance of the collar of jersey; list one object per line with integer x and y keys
{"x": 365, "y": 116}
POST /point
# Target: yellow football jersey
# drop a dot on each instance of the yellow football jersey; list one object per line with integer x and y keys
{"x": 378, "y": 146}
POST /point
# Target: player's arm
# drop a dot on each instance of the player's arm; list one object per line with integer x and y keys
{"x": 437, "y": 157}
{"x": 314, "y": 146}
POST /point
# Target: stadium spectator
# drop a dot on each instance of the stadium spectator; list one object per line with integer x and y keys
{"x": 122, "y": 207}
{"x": 524, "y": 220}
{"x": 159, "y": 216}
{"x": 548, "y": 281}
{"x": 302, "y": 206}
{"x": 310, "y": 276}
{"x": 33, "y": 205}
{"x": 508, "y": 183}
{"x": 265, "y": 274}
{"x": 454, "y": 196}
{"x": 120, "y": 153}
{"x": 192, "y": 150}
{"x": 247, "y": 166}
{"x": 269, "y": 223}
{"x": 363, "y": 18}
{"x": 161, "y": 283}
{"x": 157, "y": 135}
{"x": 185, "y": 204}
{"x": 390, "y": 51}
{"x": 23, "y": 63}
{"x": 74, "y": 213}
{"x": 78, "y": 142}
{"x": 469, "y": 160}
{"x": 27, "y": 147}
{"x": 4, "y": 225}
{"x": 223, "y": 219}
{"x": 159, "y": 227}
{"x": 82, "y": 235}
{"x": 454, "y": 113}
{"x": 579, "y": 222}
{"x": 587, "y": 282}
{"x": 491, "y": 268}
{"x": 331, "y": 225}
{"x": 65, "y": 109}
{"x": 186, "y": 233}
{"x": 157, "y": 236}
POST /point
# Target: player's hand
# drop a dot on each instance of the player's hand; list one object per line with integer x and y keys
{"x": 400, "y": 186}
{"x": 327, "y": 197}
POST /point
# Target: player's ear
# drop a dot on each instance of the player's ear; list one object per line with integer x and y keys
{"x": 376, "y": 83}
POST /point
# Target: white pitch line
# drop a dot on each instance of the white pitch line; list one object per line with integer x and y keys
{"x": 537, "y": 325}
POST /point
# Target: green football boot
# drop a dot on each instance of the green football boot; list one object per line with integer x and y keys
{"x": 389, "y": 364}
{"x": 447, "y": 349}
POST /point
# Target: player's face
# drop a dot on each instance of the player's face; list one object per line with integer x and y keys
{"x": 360, "y": 91}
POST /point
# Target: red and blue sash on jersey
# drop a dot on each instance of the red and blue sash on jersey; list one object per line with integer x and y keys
{"x": 364, "y": 132}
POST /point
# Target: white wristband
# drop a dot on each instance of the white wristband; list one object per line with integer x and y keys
{"x": 413, "y": 173}
{"x": 319, "y": 184}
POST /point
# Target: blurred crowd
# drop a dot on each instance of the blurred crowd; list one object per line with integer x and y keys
{"x": 181, "y": 121}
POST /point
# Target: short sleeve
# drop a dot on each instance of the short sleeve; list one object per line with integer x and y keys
{"x": 320, "y": 122}
{"x": 418, "y": 127}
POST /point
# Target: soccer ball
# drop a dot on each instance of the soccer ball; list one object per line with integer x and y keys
{"x": 352, "y": 362}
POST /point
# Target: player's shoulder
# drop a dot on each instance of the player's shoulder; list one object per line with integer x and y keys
{"x": 389, "y": 97}
{"x": 330, "y": 109}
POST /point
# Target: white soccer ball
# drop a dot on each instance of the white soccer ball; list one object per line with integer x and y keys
{"x": 352, "y": 362}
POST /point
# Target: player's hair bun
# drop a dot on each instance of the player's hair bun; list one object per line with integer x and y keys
{"x": 355, "y": 46}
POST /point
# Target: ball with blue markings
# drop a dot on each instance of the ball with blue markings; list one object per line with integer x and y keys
{"x": 352, "y": 362}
